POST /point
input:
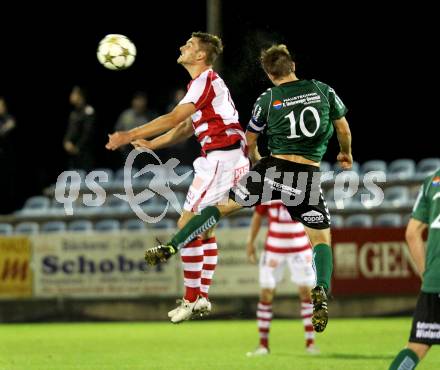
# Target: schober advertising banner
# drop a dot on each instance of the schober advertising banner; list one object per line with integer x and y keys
{"x": 15, "y": 273}
{"x": 101, "y": 265}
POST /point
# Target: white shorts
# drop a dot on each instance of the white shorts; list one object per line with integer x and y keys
{"x": 214, "y": 176}
{"x": 300, "y": 265}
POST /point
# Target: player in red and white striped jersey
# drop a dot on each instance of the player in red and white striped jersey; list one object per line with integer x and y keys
{"x": 207, "y": 111}
{"x": 286, "y": 244}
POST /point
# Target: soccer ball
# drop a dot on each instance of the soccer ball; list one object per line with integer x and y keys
{"x": 116, "y": 52}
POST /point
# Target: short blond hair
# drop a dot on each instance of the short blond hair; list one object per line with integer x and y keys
{"x": 277, "y": 61}
{"x": 211, "y": 44}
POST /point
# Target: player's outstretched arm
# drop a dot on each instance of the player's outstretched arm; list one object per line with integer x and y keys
{"x": 176, "y": 135}
{"x": 156, "y": 127}
{"x": 416, "y": 244}
{"x": 343, "y": 133}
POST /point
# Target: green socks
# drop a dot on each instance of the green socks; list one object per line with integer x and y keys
{"x": 196, "y": 226}
{"x": 406, "y": 359}
{"x": 323, "y": 260}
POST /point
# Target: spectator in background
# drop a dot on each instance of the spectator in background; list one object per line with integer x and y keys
{"x": 178, "y": 95}
{"x": 7, "y": 122}
{"x": 186, "y": 151}
{"x": 133, "y": 117}
{"x": 78, "y": 141}
{"x": 7, "y": 158}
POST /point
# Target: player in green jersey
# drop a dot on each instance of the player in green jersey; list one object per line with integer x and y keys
{"x": 300, "y": 116}
{"x": 425, "y": 329}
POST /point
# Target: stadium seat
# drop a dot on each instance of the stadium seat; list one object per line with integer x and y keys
{"x": 80, "y": 226}
{"x": 397, "y": 196}
{"x": 326, "y": 169}
{"x": 6, "y": 229}
{"x": 53, "y": 227}
{"x": 133, "y": 224}
{"x": 405, "y": 219}
{"x": 337, "y": 221}
{"x": 364, "y": 198}
{"x": 373, "y": 165}
{"x": 355, "y": 167}
{"x": 108, "y": 171}
{"x": 164, "y": 224}
{"x": 242, "y": 221}
{"x": 401, "y": 169}
{"x": 335, "y": 200}
{"x": 57, "y": 208}
{"x": 115, "y": 205}
{"x": 388, "y": 220}
{"x": 224, "y": 223}
{"x": 107, "y": 226}
{"x": 325, "y": 166}
{"x": 27, "y": 228}
{"x": 118, "y": 178}
{"x": 36, "y": 205}
{"x": 426, "y": 167}
{"x": 360, "y": 220}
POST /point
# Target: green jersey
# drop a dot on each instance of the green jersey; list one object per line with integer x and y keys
{"x": 427, "y": 210}
{"x": 299, "y": 117}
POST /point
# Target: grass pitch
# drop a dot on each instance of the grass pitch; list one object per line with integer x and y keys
{"x": 354, "y": 344}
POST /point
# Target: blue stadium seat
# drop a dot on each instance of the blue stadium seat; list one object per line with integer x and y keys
{"x": 27, "y": 228}
{"x": 325, "y": 166}
{"x": 365, "y": 199}
{"x": 108, "y": 171}
{"x": 360, "y": 220}
{"x": 401, "y": 169}
{"x": 36, "y": 205}
{"x": 107, "y": 226}
{"x": 397, "y": 196}
{"x": 133, "y": 224}
{"x": 241, "y": 221}
{"x": 53, "y": 227}
{"x": 335, "y": 200}
{"x": 80, "y": 226}
{"x": 223, "y": 223}
{"x": 388, "y": 220}
{"x": 373, "y": 165}
{"x": 325, "y": 169}
{"x": 118, "y": 178}
{"x": 165, "y": 223}
{"x": 337, "y": 221}
{"x": 6, "y": 229}
{"x": 115, "y": 205}
{"x": 355, "y": 167}
{"x": 427, "y": 166}
{"x": 405, "y": 219}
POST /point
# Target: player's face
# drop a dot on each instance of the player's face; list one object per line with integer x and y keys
{"x": 188, "y": 52}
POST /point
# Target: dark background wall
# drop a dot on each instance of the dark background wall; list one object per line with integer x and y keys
{"x": 380, "y": 62}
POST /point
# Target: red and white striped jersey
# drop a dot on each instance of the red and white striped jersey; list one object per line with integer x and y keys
{"x": 284, "y": 234}
{"x": 216, "y": 120}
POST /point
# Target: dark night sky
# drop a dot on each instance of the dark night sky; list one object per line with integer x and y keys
{"x": 378, "y": 61}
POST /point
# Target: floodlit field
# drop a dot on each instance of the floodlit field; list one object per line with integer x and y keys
{"x": 355, "y": 344}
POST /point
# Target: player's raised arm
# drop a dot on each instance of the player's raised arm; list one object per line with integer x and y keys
{"x": 156, "y": 127}
{"x": 343, "y": 133}
{"x": 176, "y": 135}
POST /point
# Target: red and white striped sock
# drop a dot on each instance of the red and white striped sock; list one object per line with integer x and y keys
{"x": 264, "y": 318}
{"x": 192, "y": 260}
{"x": 210, "y": 258}
{"x": 306, "y": 314}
